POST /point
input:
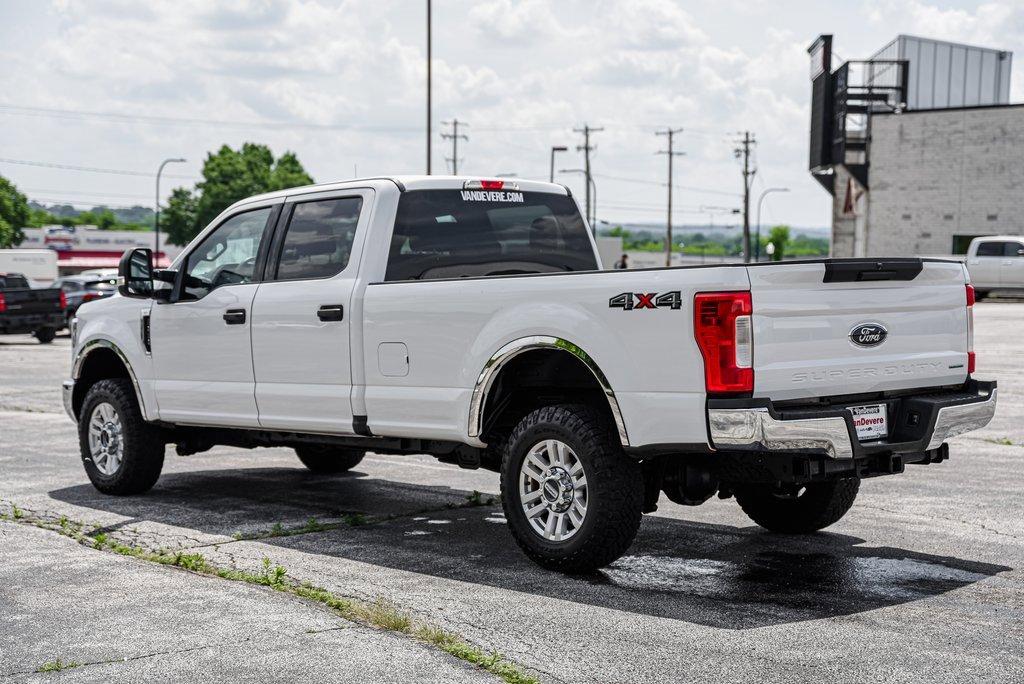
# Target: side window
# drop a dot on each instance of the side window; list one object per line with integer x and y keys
{"x": 1013, "y": 249}
{"x": 990, "y": 249}
{"x": 318, "y": 240}
{"x": 227, "y": 256}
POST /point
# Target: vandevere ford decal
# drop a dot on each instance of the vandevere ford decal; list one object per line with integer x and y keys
{"x": 491, "y": 196}
{"x": 628, "y": 301}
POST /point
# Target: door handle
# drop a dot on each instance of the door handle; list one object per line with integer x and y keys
{"x": 331, "y": 312}
{"x": 234, "y": 316}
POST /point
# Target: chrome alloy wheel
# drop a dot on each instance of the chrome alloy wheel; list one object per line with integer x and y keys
{"x": 106, "y": 439}
{"x": 553, "y": 490}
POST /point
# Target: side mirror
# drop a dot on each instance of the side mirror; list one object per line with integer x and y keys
{"x": 135, "y": 273}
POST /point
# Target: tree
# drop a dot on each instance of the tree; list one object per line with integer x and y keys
{"x": 14, "y": 214}
{"x": 178, "y": 220}
{"x": 228, "y": 176}
{"x": 779, "y": 236}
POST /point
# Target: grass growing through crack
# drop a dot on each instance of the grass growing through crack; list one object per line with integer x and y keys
{"x": 1003, "y": 441}
{"x": 382, "y": 614}
{"x": 57, "y": 665}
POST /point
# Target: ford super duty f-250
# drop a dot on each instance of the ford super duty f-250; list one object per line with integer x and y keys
{"x": 469, "y": 319}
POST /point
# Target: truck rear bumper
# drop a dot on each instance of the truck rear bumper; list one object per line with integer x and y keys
{"x": 19, "y": 324}
{"x": 918, "y": 423}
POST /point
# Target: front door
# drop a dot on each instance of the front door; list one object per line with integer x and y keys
{"x": 202, "y": 354}
{"x": 302, "y": 316}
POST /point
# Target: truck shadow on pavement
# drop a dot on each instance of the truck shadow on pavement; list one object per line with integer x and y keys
{"x": 716, "y": 575}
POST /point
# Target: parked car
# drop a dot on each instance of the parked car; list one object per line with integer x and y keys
{"x": 82, "y": 288}
{"x": 996, "y": 262}
{"x": 469, "y": 319}
{"x": 27, "y": 310}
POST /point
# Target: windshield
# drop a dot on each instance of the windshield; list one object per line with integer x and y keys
{"x": 466, "y": 233}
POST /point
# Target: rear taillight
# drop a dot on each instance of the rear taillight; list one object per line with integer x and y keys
{"x": 3, "y": 303}
{"x": 722, "y": 327}
{"x": 970, "y": 329}
{"x": 63, "y": 301}
{"x": 89, "y": 296}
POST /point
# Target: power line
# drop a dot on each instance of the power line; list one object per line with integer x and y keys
{"x": 92, "y": 169}
{"x": 644, "y": 181}
{"x": 86, "y": 193}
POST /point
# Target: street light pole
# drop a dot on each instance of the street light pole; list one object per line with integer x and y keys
{"x": 156, "y": 218}
{"x": 428, "y": 88}
{"x": 559, "y": 148}
{"x": 757, "y": 244}
{"x": 592, "y": 187}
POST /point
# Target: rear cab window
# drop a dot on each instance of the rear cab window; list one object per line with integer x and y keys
{"x": 474, "y": 233}
{"x": 990, "y": 249}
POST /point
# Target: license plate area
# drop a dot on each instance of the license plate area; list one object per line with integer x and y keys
{"x": 871, "y": 421}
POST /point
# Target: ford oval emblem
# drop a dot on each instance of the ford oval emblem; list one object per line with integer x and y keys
{"x": 868, "y": 334}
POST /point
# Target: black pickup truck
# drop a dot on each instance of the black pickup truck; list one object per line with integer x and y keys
{"x": 25, "y": 310}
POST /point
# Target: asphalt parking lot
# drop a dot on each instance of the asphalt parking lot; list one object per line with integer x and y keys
{"x": 921, "y": 581}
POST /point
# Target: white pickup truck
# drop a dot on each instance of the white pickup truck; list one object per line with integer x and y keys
{"x": 469, "y": 319}
{"x": 996, "y": 262}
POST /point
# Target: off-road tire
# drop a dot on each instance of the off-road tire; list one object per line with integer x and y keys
{"x": 817, "y": 507}
{"x": 329, "y": 459}
{"x": 614, "y": 482}
{"x": 143, "y": 443}
{"x": 45, "y": 334}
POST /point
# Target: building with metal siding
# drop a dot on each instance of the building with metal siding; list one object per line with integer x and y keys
{"x": 918, "y": 147}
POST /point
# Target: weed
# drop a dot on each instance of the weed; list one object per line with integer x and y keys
{"x": 57, "y": 665}
{"x": 1003, "y": 441}
{"x": 385, "y": 614}
{"x": 314, "y": 526}
{"x": 99, "y": 540}
{"x": 16, "y": 512}
{"x": 354, "y": 519}
{"x": 191, "y": 561}
{"x": 277, "y": 530}
{"x": 271, "y": 576}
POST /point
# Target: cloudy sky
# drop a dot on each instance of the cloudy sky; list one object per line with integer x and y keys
{"x": 121, "y": 85}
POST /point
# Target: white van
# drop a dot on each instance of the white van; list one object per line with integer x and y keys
{"x": 996, "y": 262}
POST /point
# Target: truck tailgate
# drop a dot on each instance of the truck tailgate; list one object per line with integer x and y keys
{"x": 804, "y": 329}
{"x": 29, "y": 301}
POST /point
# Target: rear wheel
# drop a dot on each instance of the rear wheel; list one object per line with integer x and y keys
{"x": 329, "y": 459}
{"x": 572, "y": 498}
{"x": 798, "y": 509}
{"x": 121, "y": 452}
{"x": 45, "y": 334}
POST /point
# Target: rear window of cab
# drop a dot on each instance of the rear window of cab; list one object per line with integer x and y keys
{"x": 474, "y": 233}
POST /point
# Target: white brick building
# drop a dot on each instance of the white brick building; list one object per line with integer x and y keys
{"x": 937, "y": 179}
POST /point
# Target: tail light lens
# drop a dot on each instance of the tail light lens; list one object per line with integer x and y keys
{"x": 3, "y": 303}
{"x": 63, "y": 301}
{"x": 970, "y": 330}
{"x": 722, "y": 326}
{"x": 89, "y": 296}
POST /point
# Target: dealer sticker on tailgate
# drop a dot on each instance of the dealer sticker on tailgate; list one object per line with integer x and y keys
{"x": 870, "y": 421}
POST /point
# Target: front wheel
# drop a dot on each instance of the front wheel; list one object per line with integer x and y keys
{"x": 572, "y": 498}
{"x": 798, "y": 509}
{"x": 45, "y": 334}
{"x": 122, "y": 453}
{"x": 329, "y": 459}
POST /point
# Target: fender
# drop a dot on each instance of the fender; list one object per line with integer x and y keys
{"x": 103, "y": 343}
{"x": 524, "y": 344}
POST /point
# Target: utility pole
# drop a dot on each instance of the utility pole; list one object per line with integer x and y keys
{"x": 671, "y": 154}
{"x": 586, "y": 148}
{"x": 454, "y": 136}
{"x": 746, "y": 143}
{"x": 428, "y": 88}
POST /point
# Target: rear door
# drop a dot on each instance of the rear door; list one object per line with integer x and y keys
{"x": 1011, "y": 270}
{"x": 986, "y": 263}
{"x": 815, "y": 338}
{"x": 302, "y": 314}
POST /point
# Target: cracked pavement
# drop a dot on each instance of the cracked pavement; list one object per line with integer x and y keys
{"x": 921, "y": 580}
